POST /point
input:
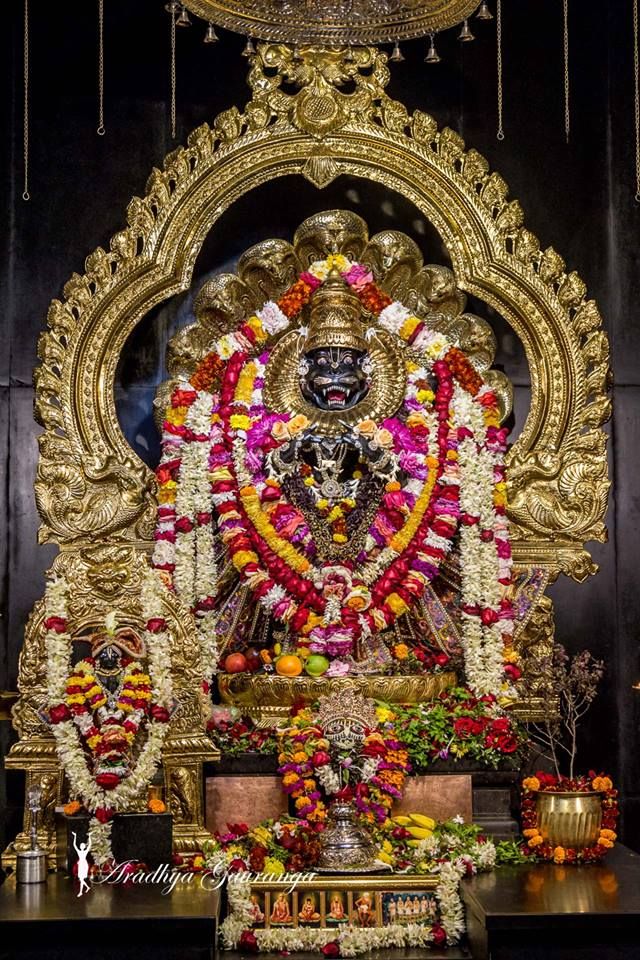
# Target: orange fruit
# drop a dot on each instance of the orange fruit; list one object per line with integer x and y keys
{"x": 289, "y": 665}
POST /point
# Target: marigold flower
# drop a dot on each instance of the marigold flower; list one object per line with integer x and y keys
{"x": 608, "y": 834}
{"x": 535, "y": 841}
{"x": 72, "y": 808}
{"x": 156, "y": 806}
{"x": 531, "y": 783}
{"x": 559, "y": 855}
{"x": 605, "y": 843}
{"x": 602, "y": 784}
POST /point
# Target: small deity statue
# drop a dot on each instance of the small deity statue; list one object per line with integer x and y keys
{"x": 109, "y": 695}
{"x": 332, "y": 493}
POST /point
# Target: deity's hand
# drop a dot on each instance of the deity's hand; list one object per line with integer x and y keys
{"x": 377, "y": 456}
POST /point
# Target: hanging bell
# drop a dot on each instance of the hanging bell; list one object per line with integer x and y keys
{"x": 210, "y": 36}
{"x": 432, "y": 54}
{"x": 483, "y": 11}
{"x": 249, "y": 49}
{"x": 397, "y": 55}
{"x": 465, "y": 34}
{"x": 184, "y": 20}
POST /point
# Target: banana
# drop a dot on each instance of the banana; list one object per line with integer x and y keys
{"x": 402, "y": 821}
{"x": 381, "y": 855}
{"x": 420, "y": 833}
{"x": 422, "y": 820}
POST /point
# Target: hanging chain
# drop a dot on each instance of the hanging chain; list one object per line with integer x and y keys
{"x": 636, "y": 70}
{"x": 101, "y": 130}
{"x": 500, "y": 133}
{"x": 25, "y": 131}
{"x": 173, "y": 75}
{"x": 567, "y": 113}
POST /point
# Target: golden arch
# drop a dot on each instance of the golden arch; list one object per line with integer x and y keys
{"x": 90, "y": 484}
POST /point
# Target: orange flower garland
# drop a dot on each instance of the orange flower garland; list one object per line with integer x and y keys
{"x": 537, "y": 843}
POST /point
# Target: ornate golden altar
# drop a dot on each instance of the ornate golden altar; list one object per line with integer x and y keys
{"x": 97, "y": 500}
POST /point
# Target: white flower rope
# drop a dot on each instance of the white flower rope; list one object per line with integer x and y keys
{"x": 100, "y": 802}
{"x": 354, "y": 941}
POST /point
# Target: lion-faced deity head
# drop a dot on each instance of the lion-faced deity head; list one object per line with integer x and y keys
{"x": 335, "y": 367}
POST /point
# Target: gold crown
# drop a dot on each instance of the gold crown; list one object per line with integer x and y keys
{"x": 335, "y": 317}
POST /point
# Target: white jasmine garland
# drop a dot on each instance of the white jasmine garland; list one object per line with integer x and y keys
{"x": 354, "y": 941}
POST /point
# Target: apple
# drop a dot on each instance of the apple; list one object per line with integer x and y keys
{"x": 235, "y": 663}
{"x": 254, "y": 662}
{"x": 316, "y": 665}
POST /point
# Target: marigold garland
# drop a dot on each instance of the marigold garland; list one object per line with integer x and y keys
{"x": 538, "y": 846}
{"x": 307, "y": 770}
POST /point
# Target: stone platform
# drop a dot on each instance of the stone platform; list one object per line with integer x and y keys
{"x": 546, "y": 912}
{"x": 48, "y": 921}
{"x": 528, "y": 912}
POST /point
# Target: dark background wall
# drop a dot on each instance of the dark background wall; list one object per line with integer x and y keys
{"x": 577, "y": 197}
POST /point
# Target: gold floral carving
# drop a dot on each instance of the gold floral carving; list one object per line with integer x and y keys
{"x": 557, "y": 468}
{"x": 270, "y": 698}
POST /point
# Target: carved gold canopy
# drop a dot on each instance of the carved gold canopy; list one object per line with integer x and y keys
{"x": 91, "y": 487}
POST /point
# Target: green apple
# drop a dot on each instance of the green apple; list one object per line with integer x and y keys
{"x": 316, "y": 665}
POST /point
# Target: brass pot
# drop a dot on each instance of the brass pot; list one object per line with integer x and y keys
{"x": 569, "y": 819}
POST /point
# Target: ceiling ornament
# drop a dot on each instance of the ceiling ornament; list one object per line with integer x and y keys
{"x": 339, "y": 23}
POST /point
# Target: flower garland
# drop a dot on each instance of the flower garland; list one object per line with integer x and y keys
{"x": 540, "y": 847}
{"x": 70, "y": 695}
{"x": 452, "y": 851}
{"x": 449, "y": 449}
{"x": 306, "y": 766}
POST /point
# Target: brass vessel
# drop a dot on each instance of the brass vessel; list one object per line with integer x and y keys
{"x": 569, "y": 819}
{"x": 268, "y": 698}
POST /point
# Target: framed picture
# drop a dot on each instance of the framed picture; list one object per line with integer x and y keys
{"x": 310, "y": 905}
{"x": 334, "y": 902}
{"x": 364, "y": 909}
{"x": 337, "y": 908}
{"x": 258, "y": 912}
{"x": 281, "y": 912}
{"x": 404, "y": 907}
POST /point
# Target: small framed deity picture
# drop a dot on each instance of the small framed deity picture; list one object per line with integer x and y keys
{"x": 364, "y": 909}
{"x": 309, "y": 908}
{"x": 337, "y": 908}
{"x": 404, "y": 907}
{"x": 281, "y": 911}
{"x": 258, "y": 908}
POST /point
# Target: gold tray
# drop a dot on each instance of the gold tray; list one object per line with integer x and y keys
{"x": 269, "y": 698}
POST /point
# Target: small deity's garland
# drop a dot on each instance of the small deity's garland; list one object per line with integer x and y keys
{"x": 540, "y": 847}
{"x": 306, "y": 766}
{"x": 109, "y": 744}
{"x": 70, "y": 712}
{"x": 454, "y": 477}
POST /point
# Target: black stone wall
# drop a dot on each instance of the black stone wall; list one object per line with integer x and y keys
{"x": 577, "y": 197}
